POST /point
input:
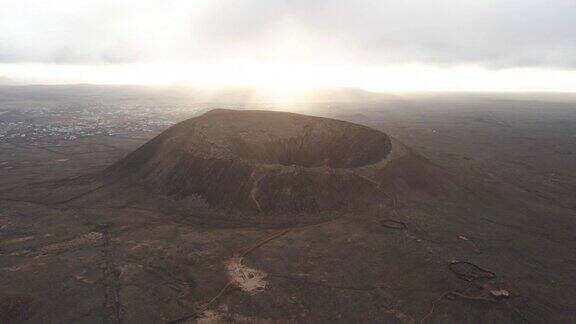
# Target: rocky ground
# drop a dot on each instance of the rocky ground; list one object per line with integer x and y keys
{"x": 79, "y": 247}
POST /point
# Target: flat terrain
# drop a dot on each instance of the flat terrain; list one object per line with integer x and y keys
{"x": 73, "y": 249}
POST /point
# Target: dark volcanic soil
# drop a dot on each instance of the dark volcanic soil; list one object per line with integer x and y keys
{"x": 274, "y": 161}
{"x": 277, "y": 218}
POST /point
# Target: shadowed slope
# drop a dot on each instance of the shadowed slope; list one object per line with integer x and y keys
{"x": 263, "y": 160}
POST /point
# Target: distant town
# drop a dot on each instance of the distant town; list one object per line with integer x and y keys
{"x": 53, "y": 124}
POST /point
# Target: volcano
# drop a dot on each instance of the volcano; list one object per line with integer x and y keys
{"x": 277, "y": 161}
{"x": 274, "y": 217}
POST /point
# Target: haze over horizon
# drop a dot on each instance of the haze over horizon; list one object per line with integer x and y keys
{"x": 288, "y": 161}
{"x": 439, "y": 45}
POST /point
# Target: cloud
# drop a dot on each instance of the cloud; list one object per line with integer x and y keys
{"x": 490, "y": 33}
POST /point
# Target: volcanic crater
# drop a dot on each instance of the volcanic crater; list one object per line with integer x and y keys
{"x": 274, "y": 161}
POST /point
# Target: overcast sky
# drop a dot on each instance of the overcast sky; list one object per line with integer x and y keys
{"x": 349, "y": 40}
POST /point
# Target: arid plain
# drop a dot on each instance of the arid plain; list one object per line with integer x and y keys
{"x": 479, "y": 229}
